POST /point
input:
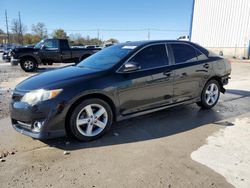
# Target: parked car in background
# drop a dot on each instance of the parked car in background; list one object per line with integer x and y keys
{"x": 108, "y": 45}
{"x": 77, "y": 46}
{"x": 49, "y": 51}
{"x": 119, "y": 82}
{"x": 1, "y": 48}
{"x": 184, "y": 38}
{"x": 6, "y": 56}
{"x": 92, "y": 47}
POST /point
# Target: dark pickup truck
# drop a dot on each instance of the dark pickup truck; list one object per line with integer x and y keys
{"x": 49, "y": 51}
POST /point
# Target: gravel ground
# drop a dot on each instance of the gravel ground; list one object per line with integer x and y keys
{"x": 10, "y": 76}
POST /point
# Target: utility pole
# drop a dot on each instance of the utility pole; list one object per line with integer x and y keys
{"x": 98, "y": 35}
{"x": 148, "y": 33}
{"x": 7, "y": 26}
{"x": 20, "y": 28}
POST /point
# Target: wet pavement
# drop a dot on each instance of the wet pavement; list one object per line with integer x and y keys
{"x": 148, "y": 151}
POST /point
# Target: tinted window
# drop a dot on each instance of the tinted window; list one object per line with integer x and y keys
{"x": 64, "y": 45}
{"x": 183, "y": 53}
{"x": 152, "y": 56}
{"x": 51, "y": 44}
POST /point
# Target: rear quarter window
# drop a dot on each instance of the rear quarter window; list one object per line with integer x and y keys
{"x": 200, "y": 55}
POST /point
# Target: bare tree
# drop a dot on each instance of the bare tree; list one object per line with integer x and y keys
{"x": 1, "y": 31}
{"x": 18, "y": 29}
{"x": 40, "y": 30}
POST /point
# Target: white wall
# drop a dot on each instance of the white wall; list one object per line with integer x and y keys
{"x": 221, "y": 23}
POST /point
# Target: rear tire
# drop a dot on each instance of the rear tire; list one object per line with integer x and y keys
{"x": 28, "y": 64}
{"x": 91, "y": 119}
{"x": 210, "y": 95}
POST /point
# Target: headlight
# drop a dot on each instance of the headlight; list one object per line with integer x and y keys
{"x": 33, "y": 97}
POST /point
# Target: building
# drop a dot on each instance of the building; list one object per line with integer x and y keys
{"x": 3, "y": 39}
{"x": 222, "y": 26}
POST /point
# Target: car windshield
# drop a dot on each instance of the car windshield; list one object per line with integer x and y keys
{"x": 107, "y": 57}
{"x": 39, "y": 44}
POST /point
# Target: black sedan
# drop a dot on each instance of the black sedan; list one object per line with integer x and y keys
{"x": 119, "y": 82}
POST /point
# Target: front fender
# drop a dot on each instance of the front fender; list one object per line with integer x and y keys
{"x": 30, "y": 55}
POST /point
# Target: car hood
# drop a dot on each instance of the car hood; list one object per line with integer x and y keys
{"x": 56, "y": 78}
{"x": 23, "y": 50}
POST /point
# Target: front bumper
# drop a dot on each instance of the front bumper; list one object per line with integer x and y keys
{"x": 40, "y": 135}
{"x": 225, "y": 79}
{"x": 25, "y": 118}
{"x": 15, "y": 62}
{"x": 6, "y": 57}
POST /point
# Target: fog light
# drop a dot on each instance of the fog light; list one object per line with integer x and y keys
{"x": 37, "y": 126}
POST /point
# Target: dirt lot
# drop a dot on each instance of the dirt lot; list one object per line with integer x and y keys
{"x": 171, "y": 148}
{"x": 9, "y": 77}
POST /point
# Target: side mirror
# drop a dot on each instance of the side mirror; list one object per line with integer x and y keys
{"x": 131, "y": 66}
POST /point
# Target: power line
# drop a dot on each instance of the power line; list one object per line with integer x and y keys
{"x": 125, "y": 30}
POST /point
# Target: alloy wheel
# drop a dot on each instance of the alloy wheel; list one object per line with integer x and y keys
{"x": 91, "y": 120}
{"x": 211, "y": 94}
{"x": 29, "y": 65}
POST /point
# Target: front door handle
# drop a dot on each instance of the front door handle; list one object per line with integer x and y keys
{"x": 206, "y": 65}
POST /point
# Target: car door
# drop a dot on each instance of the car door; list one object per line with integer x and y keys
{"x": 149, "y": 87}
{"x": 50, "y": 51}
{"x": 66, "y": 52}
{"x": 191, "y": 71}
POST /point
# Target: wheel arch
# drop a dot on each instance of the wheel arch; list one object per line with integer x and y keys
{"x": 101, "y": 96}
{"x": 218, "y": 79}
{"x": 29, "y": 56}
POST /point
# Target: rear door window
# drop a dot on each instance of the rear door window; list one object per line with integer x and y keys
{"x": 152, "y": 57}
{"x": 184, "y": 53}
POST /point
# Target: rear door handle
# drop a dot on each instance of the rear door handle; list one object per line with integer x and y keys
{"x": 206, "y": 66}
{"x": 184, "y": 75}
{"x": 168, "y": 73}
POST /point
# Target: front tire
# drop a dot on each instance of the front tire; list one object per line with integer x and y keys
{"x": 210, "y": 95}
{"x": 91, "y": 119}
{"x": 28, "y": 64}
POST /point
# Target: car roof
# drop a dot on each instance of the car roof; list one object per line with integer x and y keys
{"x": 148, "y": 42}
